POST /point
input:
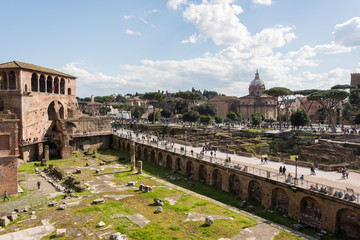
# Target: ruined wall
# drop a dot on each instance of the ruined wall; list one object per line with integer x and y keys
{"x": 94, "y": 142}
{"x": 326, "y": 153}
{"x": 88, "y": 125}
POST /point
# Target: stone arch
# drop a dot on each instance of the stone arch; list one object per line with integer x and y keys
{"x": 234, "y": 184}
{"x": 56, "y": 85}
{"x": 146, "y": 155}
{"x": 128, "y": 149}
{"x": 348, "y": 222}
{"x": 42, "y": 83}
{"x": 217, "y": 178}
{"x": 178, "y": 164}
{"x": 202, "y": 172}
{"x": 160, "y": 158}
{"x": 12, "y": 80}
{"x": 168, "y": 161}
{"x": 3, "y": 81}
{"x": 71, "y": 128}
{"x": 62, "y": 86}
{"x": 49, "y": 84}
{"x": 34, "y": 82}
{"x": 152, "y": 156}
{"x": 310, "y": 212}
{"x": 52, "y": 110}
{"x": 69, "y": 91}
{"x": 280, "y": 199}
{"x": 254, "y": 190}
{"x": 189, "y": 168}
{"x": 123, "y": 146}
{"x": 138, "y": 152}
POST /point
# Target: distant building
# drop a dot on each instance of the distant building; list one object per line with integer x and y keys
{"x": 255, "y": 102}
{"x": 355, "y": 79}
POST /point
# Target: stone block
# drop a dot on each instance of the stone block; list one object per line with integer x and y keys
{"x": 60, "y": 232}
{"x": 209, "y": 220}
{"x": 100, "y": 224}
{"x": 158, "y": 202}
{"x": 98, "y": 201}
{"x": 159, "y": 210}
{"x": 13, "y": 216}
{"x": 4, "y": 221}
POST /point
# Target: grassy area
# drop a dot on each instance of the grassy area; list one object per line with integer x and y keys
{"x": 286, "y": 236}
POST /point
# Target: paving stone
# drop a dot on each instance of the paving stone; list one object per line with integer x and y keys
{"x": 138, "y": 219}
{"x": 60, "y": 232}
{"x": 100, "y": 224}
{"x": 4, "y": 221}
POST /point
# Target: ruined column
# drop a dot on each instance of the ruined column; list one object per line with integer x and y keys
{"x": 46, "y": 152}
{"x": 139, "y": 167}
{"x": 132, "y": 155}
{"x": 40, "y": 153}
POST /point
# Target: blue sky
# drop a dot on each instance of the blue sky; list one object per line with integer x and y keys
{"x": 128, "y": 46}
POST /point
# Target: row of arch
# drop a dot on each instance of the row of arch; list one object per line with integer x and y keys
{"x": 48, "y": 85}
{"x": 310, "y": 211}
{"x": 8, "y": 80}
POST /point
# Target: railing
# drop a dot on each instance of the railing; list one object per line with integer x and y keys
{"x": 86, "y": 134}
{"x": 347, "y": 194}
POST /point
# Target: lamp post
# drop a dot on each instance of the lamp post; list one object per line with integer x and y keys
{"x": 296, "y": 164}
{"x": 185, "y": 140}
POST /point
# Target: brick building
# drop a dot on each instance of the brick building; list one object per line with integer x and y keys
{"x": 9, "y": 152}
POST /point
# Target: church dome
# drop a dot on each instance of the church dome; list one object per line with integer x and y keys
{"x": 257, "y": 81}
{"x": 257, "y": 86}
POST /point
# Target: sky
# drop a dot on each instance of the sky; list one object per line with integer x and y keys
{"x": 128, "y": 46}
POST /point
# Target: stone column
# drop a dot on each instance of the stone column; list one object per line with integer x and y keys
{"x": 139, "y": 167}
{"x": 40, "y": 152}
{"x": 132, "y": 155}
{"x": 46, "y": 152}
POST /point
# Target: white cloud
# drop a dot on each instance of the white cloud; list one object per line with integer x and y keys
{"x": 175, "y": 4}
{"x": 262, "y": 2}
{"x": 127, "y": 17}
{"x": 131, "y": 32}
{"x": 348, "y": 34}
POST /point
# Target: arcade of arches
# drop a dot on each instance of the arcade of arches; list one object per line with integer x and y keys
{"x": 313, "y": 209}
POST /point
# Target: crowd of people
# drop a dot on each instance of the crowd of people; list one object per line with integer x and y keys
{"x": 28, "y": 141}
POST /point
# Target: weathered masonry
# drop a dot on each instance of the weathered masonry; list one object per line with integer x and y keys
{"x": 312, "y": 208}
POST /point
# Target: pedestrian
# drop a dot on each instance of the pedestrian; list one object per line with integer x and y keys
{"x": 302, "y": 179}
{"x": 280, "y": 170}
{"x": 211, "y": 153}
{"x": 312, "y": 170}
{"x": 6, "y": 196}
{"x": 262, "y": 160}
{"x": 343, "y": 173}
{"x": 265, "y": 160}
{"x": 284, "y": 170}
{"x": 347, "y": 173}
{"x": 38, "y": 184}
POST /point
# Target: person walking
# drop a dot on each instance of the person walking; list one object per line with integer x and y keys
{"x": 347, "y": 173}
{"x": 280, "y": 170}
{"x": 38, "y": 184}
{"x": 265, "y": 160}
{"x": 284, "y": 170}
{"x": 262, "y": 160}
{"x": 6, "y": 196}
{"x": 312, "y": 170}
{"x": 302, "y": 179}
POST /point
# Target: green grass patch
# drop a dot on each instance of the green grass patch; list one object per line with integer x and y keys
{"x": 282, "y": 235}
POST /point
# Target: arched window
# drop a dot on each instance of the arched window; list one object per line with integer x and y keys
{"x": 62, "y": 86}
{"x": 52, "y": 110}
{"x": 34, "y": 83}
{"x": 49, "y": 83}
{"x": 12, "y": 80}
{"x": 42, "y": 83}
{"x": 56, "y": 85}
{"x": 69, "y": 91}
{"x": 3, "y": 81}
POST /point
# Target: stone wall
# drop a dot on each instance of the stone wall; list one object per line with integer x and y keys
{"x": 8, "y": 175}
{"x": 94, "y": 142}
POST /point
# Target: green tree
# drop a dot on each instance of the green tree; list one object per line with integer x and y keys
{"x": 357, "y": 118}
{"x": 181, "y": 107}
{"x": 138, "y": 111}
{"x": 206, "y": 109}
{"x": 281, "y": 95}
{"x": 152, "y": 118}
{"x": 205, "y": 119}
{"x": 219, "y": 119}
{"x": 256, "y": 119}
{"x": 166, "y": 113}
{"x": 190, "y": 97}
{"x": 329, "y": 100}
{"x": 300, "y": 118}
{"x": 104, "y": 99}
{"x": 304, "y": 100}
{"x": 232, "y": 116}
{"x": 155, "y": 97}
{"x": 191, "y": 116}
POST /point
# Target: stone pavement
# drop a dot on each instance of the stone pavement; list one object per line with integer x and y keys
{"x": 34, "y": 233}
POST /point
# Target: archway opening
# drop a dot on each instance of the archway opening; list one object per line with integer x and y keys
{"x": 160, "y": 159}
{"x": 128, "y": 147}
{"x": 234, "y": 184}
{"x": 280, "y": 200}
{"x": 138, "y": 152}
{"x": 217, "y": 178}
{"x": 152, "y": 156}
{"x": 69, "y": 91}
{"x": 146, "y": 155}
{"x": 3, "y": 81}
{"x": 348, "y": 223}
{"x": 310, "y": 212}
{"x": 62, "y": 86}
{"x": 56, "y": 85}
{"x": 255, "y": 191}
{"x": 189, "y": 168}
{"x": 49, "y": 83}
{"x": 12, "y": 80}
{"x": 177, "y": 164}
{"x": 202, "y": 173}
{"x": 52, "y": 112}
{"x": 34, "y": 83}
{"x": 42, "y": 83}
{"x": 168, "y": 162}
